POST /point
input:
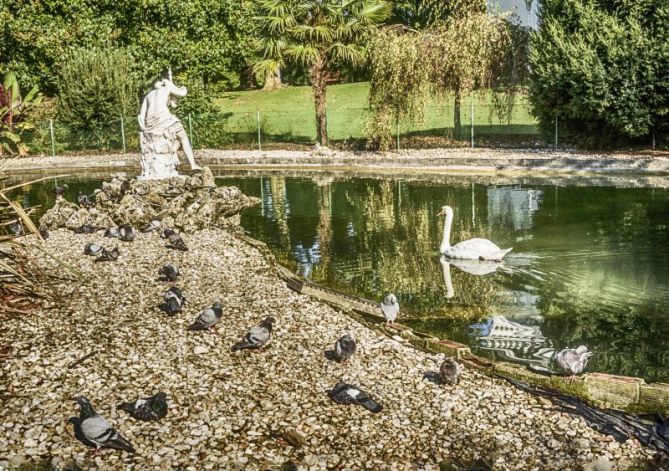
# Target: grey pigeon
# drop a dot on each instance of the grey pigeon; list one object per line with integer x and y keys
{"x": 16, "y": 228}
{"x": 84, "y": 200}
{"x": 85, "y": 229}
{"x": 208, "y": 318}
{"x": 93, "y": 430}
{"x": 176, "y": 242}
{"x": 60, "y": 190}
{"x": 112, "y": 232}
{"x": 257, "y": 337}
{"x": 126, "y": 233}
{"x": 390, "y": 309}
{"x": 344, "y": 393}
{"x": 169, "y": 273}
{"x": 344, "y": 348}
{"x": 450, "y": 371}
{"x": 573, "y": 360}
{"x": 148, "y": 408}
{"x": 174, "y": 301}
{"x": 153, "y": 225}
{"x": 93, "y": 249}
{"x": 108, "y": 255}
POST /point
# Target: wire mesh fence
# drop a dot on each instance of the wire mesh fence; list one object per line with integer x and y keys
{"x": 480, "y": 125}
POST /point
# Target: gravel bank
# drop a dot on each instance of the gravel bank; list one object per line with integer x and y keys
{"x": 243, "y": 410}
{"x": 431, "y": 160}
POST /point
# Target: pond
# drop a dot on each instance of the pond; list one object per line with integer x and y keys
{"x": 590, "y": 264}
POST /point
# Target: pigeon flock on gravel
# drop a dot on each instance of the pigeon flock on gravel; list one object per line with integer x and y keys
{"x": 94, "y": 431}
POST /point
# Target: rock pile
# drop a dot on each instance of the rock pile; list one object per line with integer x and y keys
{"x": 184, "y": 203}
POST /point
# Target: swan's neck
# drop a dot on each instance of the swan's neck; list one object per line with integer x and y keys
{"x": 446, "y": 240}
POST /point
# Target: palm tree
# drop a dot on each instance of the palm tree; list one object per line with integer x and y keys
{"x": 321, "y": 35}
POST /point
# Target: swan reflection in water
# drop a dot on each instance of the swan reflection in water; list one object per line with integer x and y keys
{"x": 505, "y": 339}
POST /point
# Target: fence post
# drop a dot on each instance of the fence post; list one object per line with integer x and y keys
{"x": 258, "y": 127}
{"x": 53, "y": 140}
{"x": 123, "y": 134}
{"x": 190, "y": 131}
{"x": 327, "y": 134}
{"x": 471, "y": 119}
{"x": 556, "y": 132}
{"x": 398, "y": 133}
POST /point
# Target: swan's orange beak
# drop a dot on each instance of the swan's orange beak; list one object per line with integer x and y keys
{"x": 440, "y": 213}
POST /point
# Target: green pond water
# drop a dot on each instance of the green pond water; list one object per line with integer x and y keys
{"x": 590, "y": 264}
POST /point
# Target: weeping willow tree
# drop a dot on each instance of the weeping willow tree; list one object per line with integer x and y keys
{"x": 468, "y": 52}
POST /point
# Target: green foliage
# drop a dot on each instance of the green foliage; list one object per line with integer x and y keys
{"x": 97, "y": 86}
{"x": 206, "y": 38}
{"x": 407, "y": 65}
{"x": 419, "y": 14}
{"x": 321, "y": 36}
{"x": 13, "y": 110}
{"x": 602, "y": 67}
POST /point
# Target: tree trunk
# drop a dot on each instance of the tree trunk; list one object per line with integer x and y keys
{"x": 456, "y": 114}
{"x": 247, "y": 79}
{"x": 272, "y": 80}
{"x": 319, "y": 85}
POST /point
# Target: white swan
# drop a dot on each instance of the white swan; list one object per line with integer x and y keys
{"x": 472, "y": 249}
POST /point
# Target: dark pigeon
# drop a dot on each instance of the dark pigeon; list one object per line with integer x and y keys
{"x": 176, "y": 242}
{"x": 84, "y": 200}
{"x": 208, "y": 318}
{"x": 60, "y": 190}
{"x": 108, "y": 255}
{"x": 450, "y": 371}
{"x": 344, "y": 393}
{"x": 85, "y": 229}
{"x": 44, "y": 233}
{"x": 344, "y": 348}
{"x": 112, "y": 232}
{"x": 169, "y": 273}
{"x": 174, "y": 301}
{"x": 153, "y": 225}
{"x": 167, "y": 233}
{"x": 93, "y": 430}
{"x": 126, "y": 233}
{"x": 257, "y": 337}
{"x": 149, "y": 408}
{"x": 93, "y": 249}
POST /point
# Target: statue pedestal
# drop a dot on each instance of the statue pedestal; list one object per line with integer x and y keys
{"x": 159, "y": 155}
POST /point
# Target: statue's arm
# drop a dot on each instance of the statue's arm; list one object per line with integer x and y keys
{"x": 141, "y": 117}
{"x": 176, "y": 91}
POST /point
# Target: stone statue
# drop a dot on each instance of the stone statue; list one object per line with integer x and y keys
{"x": 161, "y": 132}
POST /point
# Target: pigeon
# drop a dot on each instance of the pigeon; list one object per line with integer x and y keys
{"x": 44, "y": 233}
{"x": 450, "y": 371}
{"x": 168, "y": 273}
{"x": 112, "y": 232}
{"x": 149, "y": 408}
{"x": 390, "y": 309}
{"x": 573, "y": 360}
{"x": 84, "y": 200}
{"x": 344, "y": 393}
{"x": 208, "y": 318}
{"x": 60, "y": 190}
{"x": 257, "y": 337}
{"x": 174, "y": 301}
{"x": 16, "y": 228}
{"x": 93, "y": 430}
{"x": 126, "y": 233}
{"x": 167, "y": 233}
{"x": 344, "y": 348}
{"x": 176, "y": 242}
{"x": 93, "y": 249}
{"x": 85, "y": 229}
{"x": 151, "y": 226}
{"x": 108, "y": 255}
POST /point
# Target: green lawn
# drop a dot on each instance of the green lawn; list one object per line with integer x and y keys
{"x": 287, "y": 115}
